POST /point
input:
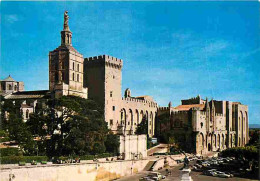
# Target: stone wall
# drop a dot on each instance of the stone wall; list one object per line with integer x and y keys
{"x": 91, "y": 171}
{"x": 133, "y": 146}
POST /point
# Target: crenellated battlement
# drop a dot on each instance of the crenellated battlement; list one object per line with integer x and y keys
{"x": 109, "y": 60}
{"x": 130, "y": 99}
{"x": 179, "y": 112}
{"x": 193, "y": 100}
{"x": 163, "y": 108}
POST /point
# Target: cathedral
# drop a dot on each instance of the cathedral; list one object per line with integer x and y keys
{"x": 200, "y": 125}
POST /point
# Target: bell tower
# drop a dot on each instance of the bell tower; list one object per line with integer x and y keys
{"x": 66, "y": 66}
{"x": 66, "y": 34}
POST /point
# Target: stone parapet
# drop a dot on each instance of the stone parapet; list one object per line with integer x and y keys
{"x": 163, "y": 108}
{"x": 151, "y": 104}
{"x": 108, "y": 60}
{"x": 179, "y": 112}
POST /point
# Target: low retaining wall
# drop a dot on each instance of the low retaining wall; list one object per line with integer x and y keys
{"x": 100, "y": 171}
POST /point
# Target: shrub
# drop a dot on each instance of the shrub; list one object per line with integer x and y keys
{"x": 4, "y": 139}
{"x": 87, "y": 157}
{"x": 21, "y": 163}
{"x": 17, "y": 159}
{"x": 3, "y": 133}
{"x": 248, "y": 152}
{"x": 10, "y": 152}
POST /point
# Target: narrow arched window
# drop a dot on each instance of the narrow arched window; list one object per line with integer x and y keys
{"x": 78, "y": 77}
{"x": 10, "y": 87}
{"x": 78, "y": 67}
{"x": 15, "y": 87}
{"x": 27, "y": 114}
{"x": 73, "y": 66}
{"x": 73, "y": 76}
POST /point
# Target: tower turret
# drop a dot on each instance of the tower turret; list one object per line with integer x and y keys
{"x": 66, "y": 34}
{"x": 66, "y": 66}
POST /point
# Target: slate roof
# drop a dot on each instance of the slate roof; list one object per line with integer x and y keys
{"x": 29, "y": 95}
{"x": 188, "y": 107}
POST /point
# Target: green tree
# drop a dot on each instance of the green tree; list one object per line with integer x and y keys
{"x": 112, "y": 143}
{"x": 74, "y": 125}
{"x": 19, "y": 132}
{"x": 142, "y": 128}
{"x": 254, "y": 135}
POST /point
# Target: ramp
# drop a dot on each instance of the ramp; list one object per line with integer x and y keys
{"x": 149, "y": 166}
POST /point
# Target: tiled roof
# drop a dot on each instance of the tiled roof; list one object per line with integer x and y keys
{"x": 28, "y": 95}
{"x": 188, "y": 107}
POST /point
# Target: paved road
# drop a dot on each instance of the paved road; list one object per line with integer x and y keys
{"x": 196, "y": 176}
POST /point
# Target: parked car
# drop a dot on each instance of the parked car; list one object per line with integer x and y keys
{"x": 156, "y": 176}
{"x": 214, "y": 174}
{"x": 197, "y": 169}
{"x": 200, "y": 161}
{"x": 198, "y": 165}
{"x": 146, "y": 179}
{"x": 228, "y": 173}
{"x": 222, "y": 174}
{"x": 211, "y": 172}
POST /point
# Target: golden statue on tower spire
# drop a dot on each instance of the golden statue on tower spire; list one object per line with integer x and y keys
{"x": 66, "y": 21}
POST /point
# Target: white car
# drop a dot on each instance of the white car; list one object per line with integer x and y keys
{"x": 156, "y": 176}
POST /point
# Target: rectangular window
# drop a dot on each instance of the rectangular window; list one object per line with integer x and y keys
{"x": 114, "y": 108}
{"x": 111, "y": 121}
{"x": 111, "y": 93}
{"x": 78, "y": 77}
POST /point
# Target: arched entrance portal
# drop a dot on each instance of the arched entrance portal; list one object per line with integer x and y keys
{"x": 209, "y": 147}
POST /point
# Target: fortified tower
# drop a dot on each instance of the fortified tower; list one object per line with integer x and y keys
{"x": 103, "y": 77}
{"x": 66, "y": 66}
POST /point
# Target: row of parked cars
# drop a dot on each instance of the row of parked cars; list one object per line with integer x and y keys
{"x": 216, "y": 173}
{"x": 215, "y": 167}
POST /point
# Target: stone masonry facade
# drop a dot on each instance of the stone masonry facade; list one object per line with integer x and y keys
{"x": 205, "y": 126}
{"x": 200, "y": 125}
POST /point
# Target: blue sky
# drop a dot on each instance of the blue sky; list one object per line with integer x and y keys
{"x": 171, "y": 50}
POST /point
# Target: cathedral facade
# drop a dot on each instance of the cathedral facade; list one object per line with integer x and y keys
{"x": 203, "y": 125}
